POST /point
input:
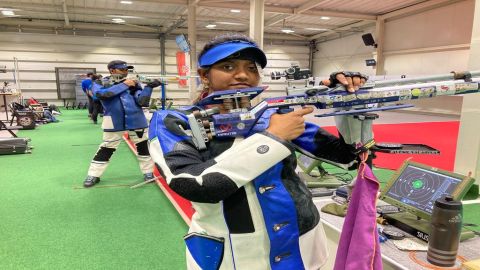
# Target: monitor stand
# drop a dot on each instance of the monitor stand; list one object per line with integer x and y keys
{"x": 416, "y": 226}
{"x": 320, "y": 179}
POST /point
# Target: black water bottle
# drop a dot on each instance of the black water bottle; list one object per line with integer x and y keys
{"x": 445, "y": 229}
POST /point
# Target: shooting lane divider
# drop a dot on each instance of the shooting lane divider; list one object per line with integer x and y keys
{"x": 183, "y": 206}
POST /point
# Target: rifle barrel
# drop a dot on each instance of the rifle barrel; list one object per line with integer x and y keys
{"x": 432, "y": 78}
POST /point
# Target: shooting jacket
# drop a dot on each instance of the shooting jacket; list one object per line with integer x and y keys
{"x": 251, "y": 209}
{"x": 123, "y": 106}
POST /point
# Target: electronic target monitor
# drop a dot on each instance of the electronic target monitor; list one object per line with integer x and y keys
{"x": 415, "y": 187}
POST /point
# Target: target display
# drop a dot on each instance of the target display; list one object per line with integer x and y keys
{"x": 420, "y": 188}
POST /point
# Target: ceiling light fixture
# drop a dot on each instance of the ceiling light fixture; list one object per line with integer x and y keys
{"x": 316, "y": 29}
{"x": 287, "y": 30}
{"x": 8, "y": 13}
{"x": 126, "y": 2}
{"x": 211, "y": 26}
{"x": 235, "y": 10}
{"x": 124, "y": 16}
{"x": 118, "y": 20}
{"x": 229, "y": 23}
{"x": 325, "y": 18}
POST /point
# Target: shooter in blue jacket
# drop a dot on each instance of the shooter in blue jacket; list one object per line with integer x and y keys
{"x": 122, "y": 99}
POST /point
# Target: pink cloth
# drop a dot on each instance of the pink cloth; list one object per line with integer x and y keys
{"x": 359, "y": 247}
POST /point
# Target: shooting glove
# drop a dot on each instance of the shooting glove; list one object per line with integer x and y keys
{"x": 154, "y": 83}
{"x": 333, "y": 76}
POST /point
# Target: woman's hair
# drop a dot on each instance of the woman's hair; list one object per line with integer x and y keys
{"x": 224, "y": 38}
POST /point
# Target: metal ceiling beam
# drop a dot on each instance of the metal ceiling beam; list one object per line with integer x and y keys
{"x": 308, "y": 25}
{"x": 276, "y": 19}
{"x": 300, "y": 36}
{"x": 46, "y": 8}
{"x": 339, "y": 30}
{"x": 291, "y": 11}
{"x": 257, "y": 21}
{"x": 417, "y": 8}
{"x": 192, "y": 39}
{"x": 59, "y": 24}
{"x": 345, "y": 15}
{"x": 232, "y": 4}
{"x": 267, "y": 36}
{"x": 307, "y": 6}
{"x": 97, "y": 30}
{"x": 65, "y": 13}
{"x": 301, "y": 9}
{"x": 218, "y": 1}
{"x": 283, "y": 12}
{"x": 271, "y": 9}
{"x": 174, "y": 26}
{"x": 380, "y": 38}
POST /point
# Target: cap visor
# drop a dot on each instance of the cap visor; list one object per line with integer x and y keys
{"x": 224, "y": 50}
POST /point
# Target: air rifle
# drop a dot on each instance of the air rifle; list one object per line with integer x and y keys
{"x": 115, "y": 78}
{"x": 239, "y": 122}
{"x": 163, "y": 79}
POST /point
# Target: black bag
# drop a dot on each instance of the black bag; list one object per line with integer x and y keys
{"x": 9, "y": 146}
{"x": 25, "y": 119}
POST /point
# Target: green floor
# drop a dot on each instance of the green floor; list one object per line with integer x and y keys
{"x": 48, "y": 221}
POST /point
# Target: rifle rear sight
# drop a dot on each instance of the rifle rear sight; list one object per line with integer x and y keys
{"x": 292, "y": 73}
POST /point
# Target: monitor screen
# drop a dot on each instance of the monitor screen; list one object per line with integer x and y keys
{"x": 420, "y": 187}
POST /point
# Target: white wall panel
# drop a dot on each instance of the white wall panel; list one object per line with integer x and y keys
{"x": 348, "y": 53}
{"x": 39, "y": 54}
{"x": 416, "y": 64}
{"x": 431, "y": 42}
{"x": 90, "y": 48}
{"x": 442, "y": 26}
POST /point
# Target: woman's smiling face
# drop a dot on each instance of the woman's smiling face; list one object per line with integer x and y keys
{"x": 231, "y": 74}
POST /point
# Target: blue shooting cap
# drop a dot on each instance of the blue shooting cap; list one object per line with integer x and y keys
{"x": 235, "y": 49}
{"x": 118, "y": 64}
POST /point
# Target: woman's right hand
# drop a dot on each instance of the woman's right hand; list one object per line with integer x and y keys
{"x": 290, "y": 125}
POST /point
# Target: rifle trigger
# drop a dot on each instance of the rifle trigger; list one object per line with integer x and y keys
{"x": 284, "y": 110}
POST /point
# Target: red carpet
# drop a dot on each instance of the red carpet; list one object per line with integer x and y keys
{"x": 439, "y": 135}
{"x": 183, "y": 206}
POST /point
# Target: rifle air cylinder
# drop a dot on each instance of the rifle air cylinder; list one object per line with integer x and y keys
{"x": 244, "y": 102}
{"x": 236, "y": 103}
{"x": 205, "y": 113}
{"x": 228, "y": 104}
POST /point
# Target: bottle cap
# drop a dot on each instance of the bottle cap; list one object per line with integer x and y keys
{"x": 448, "y": 202}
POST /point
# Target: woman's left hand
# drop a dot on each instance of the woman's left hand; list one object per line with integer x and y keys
{"x": 351, "y": 80}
